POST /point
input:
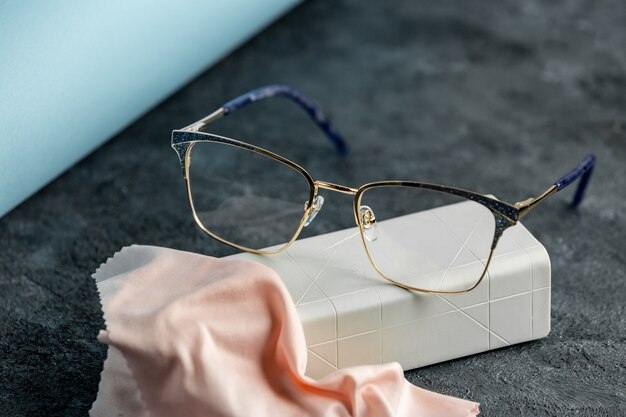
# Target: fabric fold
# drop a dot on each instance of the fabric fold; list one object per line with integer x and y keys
{"x": 191, "y": 335}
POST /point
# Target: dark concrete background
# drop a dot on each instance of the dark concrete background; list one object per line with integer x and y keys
{"x": 497, "y": 96}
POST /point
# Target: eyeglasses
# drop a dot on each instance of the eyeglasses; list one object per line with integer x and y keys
{"x": 257, "y": 201}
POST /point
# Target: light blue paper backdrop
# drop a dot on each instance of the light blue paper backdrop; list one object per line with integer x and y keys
{"x": 73, "y": 73}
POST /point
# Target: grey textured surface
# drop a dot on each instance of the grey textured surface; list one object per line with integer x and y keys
{"x": 500, "y": 97}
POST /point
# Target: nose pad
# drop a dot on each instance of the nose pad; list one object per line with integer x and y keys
{"x": 368, "y": 223}
{"x": 318, "y": 202}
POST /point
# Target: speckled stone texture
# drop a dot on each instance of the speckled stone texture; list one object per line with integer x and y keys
{"x": 497, "y": 96}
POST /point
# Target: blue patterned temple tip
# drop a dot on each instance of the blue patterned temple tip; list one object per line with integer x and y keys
{"x": 582, "y": 171}
{"x": 307, "y": 105}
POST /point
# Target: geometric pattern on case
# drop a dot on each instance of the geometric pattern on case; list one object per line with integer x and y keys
{"x": 352, "y": 316}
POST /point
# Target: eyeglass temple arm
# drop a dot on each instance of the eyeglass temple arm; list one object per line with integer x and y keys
{"x": 274, "y": 91}
{"x": 582, "y": 171}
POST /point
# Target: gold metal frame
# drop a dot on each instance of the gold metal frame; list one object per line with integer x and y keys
{"x": 247, "y": 147}
{"x": 505, "y": 214}
{"x": 357, "y": 205}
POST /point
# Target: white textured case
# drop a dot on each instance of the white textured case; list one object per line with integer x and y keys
{"x": 352, "y": 316}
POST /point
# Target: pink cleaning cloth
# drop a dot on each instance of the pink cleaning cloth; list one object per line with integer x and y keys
{"x": 190, "y": 335}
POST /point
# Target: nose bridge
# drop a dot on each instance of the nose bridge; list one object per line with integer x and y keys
{"x": 336, "y": 187}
